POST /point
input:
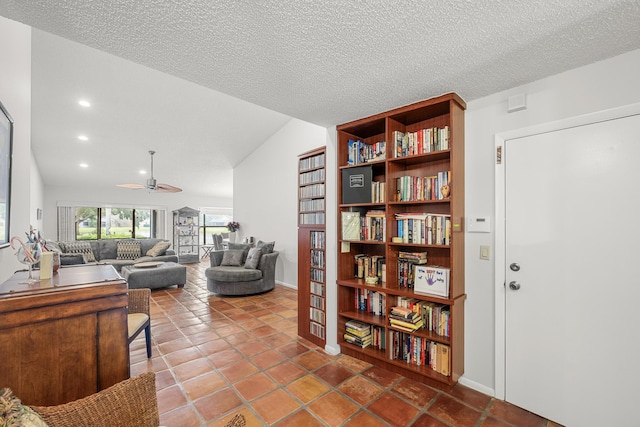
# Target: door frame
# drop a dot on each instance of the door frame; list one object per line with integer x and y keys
{"x": 500, "y": 233}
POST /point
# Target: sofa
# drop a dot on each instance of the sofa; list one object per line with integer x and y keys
{"x": 242, "y": 269}
{"x": 117, "y": 252}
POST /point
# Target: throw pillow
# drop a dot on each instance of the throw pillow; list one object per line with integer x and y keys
{"x": 267, "y": 247}
{"x": 253, "y": 258}
{"x": 241, "y": 246}
{"x": 128, "y": 249}
{"x": 14, "y": 414}
{"x": 83, "y": 248}
{"x": 158, "y": 249}
{"x": 232, "y": 257}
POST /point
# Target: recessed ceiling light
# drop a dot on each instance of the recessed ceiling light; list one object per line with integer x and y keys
{"x": 143, "y": 172}
{"x": 84, "y": 103}
{"x": 83, "y": 137}
{"x": 84, "y": 165}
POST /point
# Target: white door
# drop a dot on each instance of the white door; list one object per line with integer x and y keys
{"x": 572, "y": 210}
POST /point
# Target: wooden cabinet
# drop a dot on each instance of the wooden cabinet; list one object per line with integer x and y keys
{"x": 311, "y": 247}
{"x": 186, "y": 235}
{"x": 64, "y": 338}
{"x": 401, "y": 195}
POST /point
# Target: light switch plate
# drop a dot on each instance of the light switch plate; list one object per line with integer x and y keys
{"x": 485, "y": 252}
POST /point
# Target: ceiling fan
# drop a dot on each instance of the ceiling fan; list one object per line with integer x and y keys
{"x": 152, "y": 184}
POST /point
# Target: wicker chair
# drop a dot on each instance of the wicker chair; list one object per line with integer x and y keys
{"x": 129, "y": 403}
{"x": 139, "y": 317}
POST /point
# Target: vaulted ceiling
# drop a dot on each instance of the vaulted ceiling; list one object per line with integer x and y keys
{"x": 204, "y": 83}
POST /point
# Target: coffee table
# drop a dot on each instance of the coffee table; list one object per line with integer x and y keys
{"x": 160, "y": 275}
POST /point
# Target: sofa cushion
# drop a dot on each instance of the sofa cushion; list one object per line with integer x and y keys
{"x": 107, "y": 249}
{"x": 232, "y": 257}
{"x": 253, "y": 258}
{"x": 128, "y": 249}
{"x": 83, "y": 248}
{"x": 267, "y": 247}
{"x": 158, "y": 249}
{"x": 233, "y": 274}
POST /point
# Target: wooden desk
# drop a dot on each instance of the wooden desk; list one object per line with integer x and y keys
{"x": 64, "y": 338}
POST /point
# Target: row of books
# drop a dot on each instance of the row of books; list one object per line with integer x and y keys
{"x": 317, "y": 315}
{"x": 361, "y": 152}
{"x": 420, "y": 351}
{"x": 315, "y": 190}
{"x": 313, "y": 176}
{"x": 435, "y": 317}
{"x": 405, "y": 319}
{"x": 358, "y": 333}
{"x": 316, "y": 329}
{"x": 371, "y": 302}
{"x": 317, "y": 258}
{"x": 317, "y": 288}
{"x": 417, "y": 188}
{"x": 317, "y": 239}
{"x": 309, "y": 205}
{"x": 317, "y": 302}
{"x": 312, "y": 218}
{"x": 371, "y": 226}
{"x": 378, "y": 192}
{"x": 370, "y": 265}
{"x": 424, "y": 228}
{"x": 311, "y": 162}
{"x": 406, "y": 262}
{"x": 317, "y": 275}
{"x": 365, "y": 335}
{"x": 420, "y": 142}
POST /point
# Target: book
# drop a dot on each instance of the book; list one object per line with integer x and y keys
{"x": 350, "y": 225}
{"x": 358, "y": 325}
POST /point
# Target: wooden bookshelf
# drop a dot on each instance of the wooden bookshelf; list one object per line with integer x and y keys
{"x": 311, "y": 247}
{"x": 430, "y": 158}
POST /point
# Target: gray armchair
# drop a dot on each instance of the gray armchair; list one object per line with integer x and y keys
{"x": 239, "y": 280}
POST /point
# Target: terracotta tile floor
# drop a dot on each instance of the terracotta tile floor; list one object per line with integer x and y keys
{"x": 218, "y": 356}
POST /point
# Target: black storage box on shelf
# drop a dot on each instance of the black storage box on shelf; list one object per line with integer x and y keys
{"x": 356, "y": 185}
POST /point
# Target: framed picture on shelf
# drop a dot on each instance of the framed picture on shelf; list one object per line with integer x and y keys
{"x": 6, "y": 142}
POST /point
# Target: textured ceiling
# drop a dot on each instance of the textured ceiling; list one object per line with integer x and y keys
{"x": 326, "y": 62}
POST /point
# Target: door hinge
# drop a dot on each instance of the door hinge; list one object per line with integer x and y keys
{"x": 499, "y": 155}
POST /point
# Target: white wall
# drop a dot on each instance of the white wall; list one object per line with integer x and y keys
{"x": 265, "y": 188}
{"x": 15, "y": 95}
{"x": 596, "y": 87}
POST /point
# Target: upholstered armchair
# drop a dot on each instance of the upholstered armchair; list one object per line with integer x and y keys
{"x": 232, "y": 272}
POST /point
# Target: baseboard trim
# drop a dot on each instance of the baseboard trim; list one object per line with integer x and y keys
{"x": 477, "y": 386}
{"x": 332, "y": 350}
{"x": 287, "y": 285}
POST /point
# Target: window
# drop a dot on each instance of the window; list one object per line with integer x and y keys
{"x": 114, "y": 223}
{"x": 214, "y": 221}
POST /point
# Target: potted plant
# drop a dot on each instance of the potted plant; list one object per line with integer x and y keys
{"x": 233, "y": 226}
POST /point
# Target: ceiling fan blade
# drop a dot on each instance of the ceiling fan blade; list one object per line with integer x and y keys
{"x": 132, "y": 186}
{"x": 167, "y": 188}
{"x": 152, "y": 185}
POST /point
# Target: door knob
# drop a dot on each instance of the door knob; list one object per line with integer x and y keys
{"x": 514, "y": 286}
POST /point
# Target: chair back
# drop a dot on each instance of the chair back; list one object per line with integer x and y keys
{"x": 217, "y": 242}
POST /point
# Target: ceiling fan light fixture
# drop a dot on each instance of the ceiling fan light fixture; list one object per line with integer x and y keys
{"x": 152, "y": 183}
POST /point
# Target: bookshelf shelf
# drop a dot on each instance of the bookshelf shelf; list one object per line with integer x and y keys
{"x": 420, "y": 179}
{"x": 311, "y": 247}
